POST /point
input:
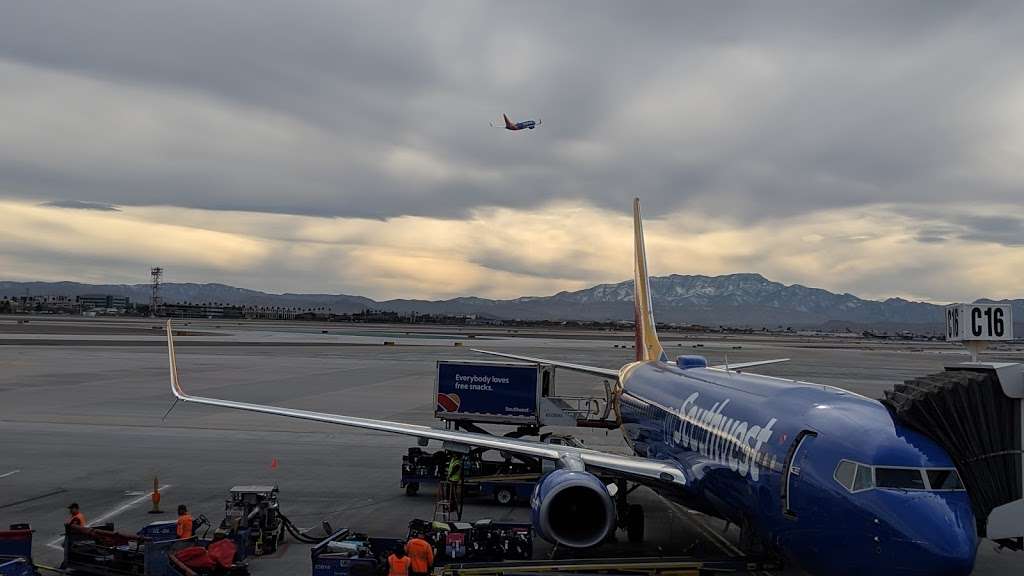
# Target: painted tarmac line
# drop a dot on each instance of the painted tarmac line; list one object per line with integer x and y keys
{"x": 717, "y": 538}
{"x": 710, "y": 533}
{"x": 33, "y": 498}
{"x": 55, "y": 543}
{"x": 11, "y": 473}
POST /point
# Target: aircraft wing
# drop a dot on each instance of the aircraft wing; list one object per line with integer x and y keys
{"x": 742, "y": 365}
{"x": 594, "y": 370}
{"x": 609, "y": 373}
{"x": 631, "y": 467}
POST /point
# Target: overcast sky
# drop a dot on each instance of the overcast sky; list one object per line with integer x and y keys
{"x": 326, "y": 146}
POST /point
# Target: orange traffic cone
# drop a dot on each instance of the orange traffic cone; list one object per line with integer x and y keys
{"x": 273, "y": 464}
{"x": 156, "y": 497}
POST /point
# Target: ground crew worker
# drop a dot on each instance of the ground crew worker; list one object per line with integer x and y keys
{"x": 421, "y": 555}
{"x": 184, "y": 528}
{"x": 455, "y": 469}
{"x": 398, "y": 563}
{"x": 77, "y": 518}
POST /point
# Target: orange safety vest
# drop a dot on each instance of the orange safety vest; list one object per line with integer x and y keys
{"x": 398, "y": 566}
{"x": 421, "y": 555}
{"x": 77, "y": 519}
{"x": 184, "y": 526}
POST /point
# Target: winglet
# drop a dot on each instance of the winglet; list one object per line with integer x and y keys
{"x": 647, "y": 345}
{"x": 172, "y": 360}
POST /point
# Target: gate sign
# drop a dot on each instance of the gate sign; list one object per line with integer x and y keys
{"x": 966, "y": 322}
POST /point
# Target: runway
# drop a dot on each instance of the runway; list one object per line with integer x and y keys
{"x": 81, "y": 403}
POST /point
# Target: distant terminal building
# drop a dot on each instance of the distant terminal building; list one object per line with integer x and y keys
{"x": 189, "y": 310}
{"x": 108, "y": 301}
{"x": 46, "y": 304}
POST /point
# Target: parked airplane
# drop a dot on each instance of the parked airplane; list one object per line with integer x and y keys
{"x": 820, "y": 475}
{"x": 509, "y": 125}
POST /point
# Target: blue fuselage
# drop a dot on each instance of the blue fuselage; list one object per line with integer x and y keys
{"x": 763, "y": 452}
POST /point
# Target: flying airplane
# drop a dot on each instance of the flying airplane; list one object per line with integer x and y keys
{"x": 509, "y": 125}
{"x": 820, "y": 475}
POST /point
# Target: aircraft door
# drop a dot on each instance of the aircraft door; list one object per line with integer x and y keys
{"x": 791, "y": 501}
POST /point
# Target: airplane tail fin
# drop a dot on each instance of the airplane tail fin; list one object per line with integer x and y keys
{"x": 508, "y": 123}
{"x": 647, "y": 345}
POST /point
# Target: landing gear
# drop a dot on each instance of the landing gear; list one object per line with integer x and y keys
{"x": 412, "y": 488}
{"x": 631, "y": 516}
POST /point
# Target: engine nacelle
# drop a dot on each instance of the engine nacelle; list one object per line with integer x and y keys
{"x": 572, "y": 508}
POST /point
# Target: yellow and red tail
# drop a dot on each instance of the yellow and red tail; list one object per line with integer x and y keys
{"x": 647, "y": 345}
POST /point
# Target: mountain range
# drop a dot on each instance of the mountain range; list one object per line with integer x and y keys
{"x": 740, "y": 300}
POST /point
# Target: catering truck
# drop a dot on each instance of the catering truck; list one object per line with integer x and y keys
{"x": 494, "y": 392}
{"x": 472, "y": 392}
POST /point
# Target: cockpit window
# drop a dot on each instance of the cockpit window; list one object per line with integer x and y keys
{"x": 856, "y": 477}
{"x": 845, "y": 472}
{"x": 864, "y": 479}
{"x": 904, "y": 478}
{"x": 944, "y": 479}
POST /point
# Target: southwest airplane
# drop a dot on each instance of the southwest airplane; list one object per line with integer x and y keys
{"x": 824, "y": 477}
{"x": 509, "y": 125}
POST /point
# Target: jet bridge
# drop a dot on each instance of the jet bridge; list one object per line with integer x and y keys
{"x": 974, "y": 411}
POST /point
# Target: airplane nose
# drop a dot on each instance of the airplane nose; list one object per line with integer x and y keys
{"x": 940, "y": 534}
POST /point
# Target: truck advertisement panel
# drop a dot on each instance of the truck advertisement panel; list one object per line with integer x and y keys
{"x": 486, "y": 392}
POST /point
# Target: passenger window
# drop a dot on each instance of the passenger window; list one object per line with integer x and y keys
{"x": 944, "y": 479}
{"x": 845, "y": 473}
{"x": 863, "y": 480}
{"x": 903, "y": 478}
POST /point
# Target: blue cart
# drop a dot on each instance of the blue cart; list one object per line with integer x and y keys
{"x": 345, "y": 553}
{"x": 16, "y": 551}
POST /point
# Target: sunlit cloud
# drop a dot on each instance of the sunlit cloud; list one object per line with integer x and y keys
{"x": 876, "y": 251}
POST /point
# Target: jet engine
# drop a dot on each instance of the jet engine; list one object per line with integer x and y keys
{"x": 572, "y": 508}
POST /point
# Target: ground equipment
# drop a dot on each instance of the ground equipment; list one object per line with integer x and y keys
{"x": 506, "y": 478}
{"x": 480, "y": 541}
{"x": 16, "y": 551}
{"x": 514, "y": 393}
{"x": 103, "y": 552}
{"x": 168, "y": 529}
{"x": 252, "y": 518}
{"x": 346, "y": 553}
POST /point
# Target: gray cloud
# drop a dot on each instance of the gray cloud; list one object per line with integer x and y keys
{"x": 734, "y": 116}
{"x": 81, "y": 205}
{"x": 1005, "y": 230}
{"x": 744, "y": 109}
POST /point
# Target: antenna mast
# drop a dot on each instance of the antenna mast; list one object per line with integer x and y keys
{"x": 156, "y": 275}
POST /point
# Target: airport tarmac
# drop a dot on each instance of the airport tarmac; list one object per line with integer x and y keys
{"x": 81, "y": 402}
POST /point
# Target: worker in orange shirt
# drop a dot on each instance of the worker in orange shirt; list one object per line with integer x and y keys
{"x": 184, "y": 528}
{"x": 421, "y": 555}
{"x": 77, "y": 518}
{"x": 398, "y": 563}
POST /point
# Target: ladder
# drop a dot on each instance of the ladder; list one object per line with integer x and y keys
{"x": 448, "y": 505}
